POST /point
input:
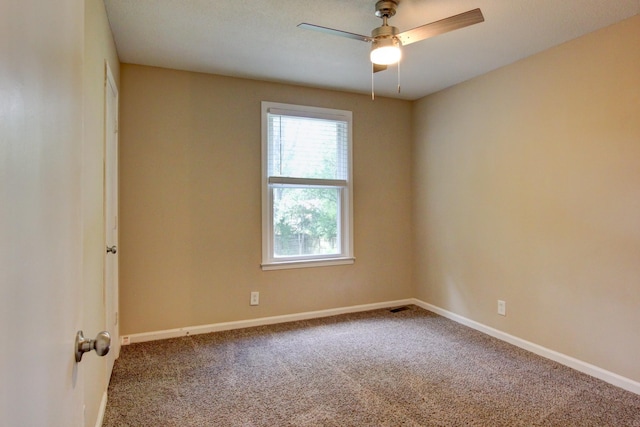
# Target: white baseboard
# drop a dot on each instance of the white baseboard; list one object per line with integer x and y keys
{"x": 578, "y": 365}
{"x": 226, "y": 326}
{"x": 101, "y": 410}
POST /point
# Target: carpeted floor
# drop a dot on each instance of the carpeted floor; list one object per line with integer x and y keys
{"x": 377, "y": 368}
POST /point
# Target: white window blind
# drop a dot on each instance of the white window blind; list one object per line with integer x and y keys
{"x": 306, "y": 147}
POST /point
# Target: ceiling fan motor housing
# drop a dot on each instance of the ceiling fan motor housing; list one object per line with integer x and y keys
{"x": 385, "y": 31}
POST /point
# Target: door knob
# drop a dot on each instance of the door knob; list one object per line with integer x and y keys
{"x": 101, "y": 344}
{"x": 112, "y": 249}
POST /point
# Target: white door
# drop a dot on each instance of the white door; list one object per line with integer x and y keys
{"x": 111, "y": 217}
{"x": 40, "y": 212}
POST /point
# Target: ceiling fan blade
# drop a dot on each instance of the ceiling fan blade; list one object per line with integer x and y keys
{"x": 440, "y": 27}
{"x": 334, "y": 32}
{"x": 379, "y": 67}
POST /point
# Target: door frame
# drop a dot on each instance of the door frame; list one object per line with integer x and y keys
{"x": 111, "y": 293}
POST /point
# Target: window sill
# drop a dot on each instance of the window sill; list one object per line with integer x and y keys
{"x": 307, "y": 263}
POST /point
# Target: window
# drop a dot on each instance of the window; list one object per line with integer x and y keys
{"x": 306, "y": 187}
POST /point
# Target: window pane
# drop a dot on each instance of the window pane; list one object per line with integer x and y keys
{"x": 306, "y": 221}
{"x": 302, "y": 147}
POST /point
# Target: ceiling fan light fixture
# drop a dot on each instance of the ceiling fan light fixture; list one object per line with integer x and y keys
{"x": 385, "y": 51}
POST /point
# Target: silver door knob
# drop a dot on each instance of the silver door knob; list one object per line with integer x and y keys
{"x": 112, "y": 249}
{"x": 101, "y": 344}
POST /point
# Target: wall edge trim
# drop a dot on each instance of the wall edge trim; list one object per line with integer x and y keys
{"x": 102, "y": 409}
{"x": 579, "y": 365}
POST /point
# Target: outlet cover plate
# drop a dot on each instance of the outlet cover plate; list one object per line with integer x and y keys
{"x": 502, "y": 308}
{"x": 255, "y": 298}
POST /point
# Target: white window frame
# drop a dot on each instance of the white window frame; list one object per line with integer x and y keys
{"x": 269, "y": 261}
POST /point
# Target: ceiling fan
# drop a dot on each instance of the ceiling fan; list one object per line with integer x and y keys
{"x": 386, "y": 40}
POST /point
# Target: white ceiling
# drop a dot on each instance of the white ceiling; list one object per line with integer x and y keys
{"x": 258, "y": 39}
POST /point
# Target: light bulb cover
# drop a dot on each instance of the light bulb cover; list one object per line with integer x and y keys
{"x": 385, "y": 51}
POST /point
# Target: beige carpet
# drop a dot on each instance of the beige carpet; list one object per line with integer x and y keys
{"x": 378, "y": 368}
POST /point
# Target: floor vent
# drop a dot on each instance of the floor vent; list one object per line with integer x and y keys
{"x": 395, "y": 310}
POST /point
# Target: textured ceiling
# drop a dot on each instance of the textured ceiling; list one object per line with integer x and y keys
{"x": 258, "y": 39}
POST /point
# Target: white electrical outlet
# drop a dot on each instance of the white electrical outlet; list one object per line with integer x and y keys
{"x": 502, "y": 308}
{"x": 255, "y": 298}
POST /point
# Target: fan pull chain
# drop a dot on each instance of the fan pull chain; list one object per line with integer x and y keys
{"x": 373, "y": 95}
{"x": 399, "y": 76}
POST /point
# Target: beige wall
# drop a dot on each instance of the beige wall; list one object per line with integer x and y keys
{"x": 190, "y": 229}
{"x": 98, "y": 47}
{"x": 527, "y": 189}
